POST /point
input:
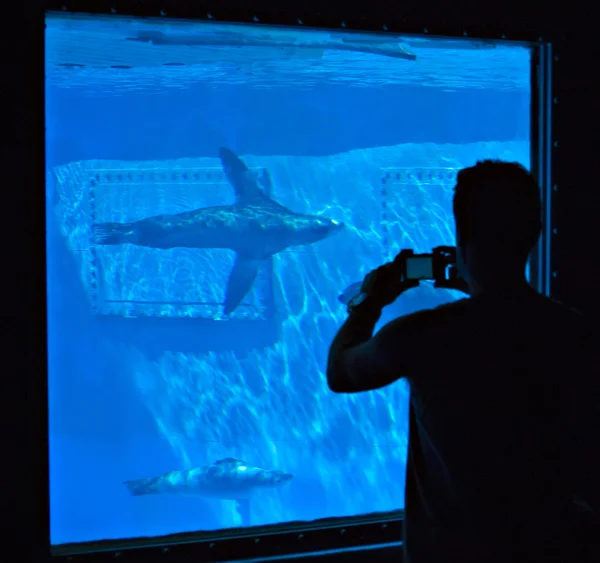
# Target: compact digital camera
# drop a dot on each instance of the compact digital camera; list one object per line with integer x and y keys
{"x": 438, "y": 266}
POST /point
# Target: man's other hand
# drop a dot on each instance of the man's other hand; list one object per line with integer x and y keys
{"x": 386, "y": 283}
{"x": 454, "y": 281}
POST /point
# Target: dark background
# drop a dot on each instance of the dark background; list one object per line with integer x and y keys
{"x": 571, "y": 28}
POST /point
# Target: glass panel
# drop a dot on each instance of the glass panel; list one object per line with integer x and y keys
{"x": 192, "y": 300}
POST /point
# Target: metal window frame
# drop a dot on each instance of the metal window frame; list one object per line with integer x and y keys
{"x": 542, "y": 103}
{"x": 332, "y": 535}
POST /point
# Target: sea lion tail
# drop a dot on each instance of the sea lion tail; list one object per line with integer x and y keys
{"x": 112, "y": 233}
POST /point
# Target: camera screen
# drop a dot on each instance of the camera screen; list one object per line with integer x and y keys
{"x": 419, "y": 268}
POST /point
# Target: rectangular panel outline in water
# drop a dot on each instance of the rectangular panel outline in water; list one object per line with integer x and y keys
{"x": 90, "y": 178}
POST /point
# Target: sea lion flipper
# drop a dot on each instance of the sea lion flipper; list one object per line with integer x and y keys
{"x": 243, "y": 509}
{"x": 226, "y": 460}
{"x": 243, "y": 180}
{"x": 266, "y": 181}
{"x": 240, "y": 281}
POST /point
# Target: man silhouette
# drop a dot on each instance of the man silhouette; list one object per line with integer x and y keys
{"x": 499, "y": 468}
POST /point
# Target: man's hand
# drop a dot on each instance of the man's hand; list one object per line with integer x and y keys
{"x": 386, "y": 283}
{"x": 454, "y": 281}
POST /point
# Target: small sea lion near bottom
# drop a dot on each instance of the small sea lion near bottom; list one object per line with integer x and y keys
{"x": 226, "y": 479}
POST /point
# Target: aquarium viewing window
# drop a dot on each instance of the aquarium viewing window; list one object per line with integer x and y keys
{"x": 211, "y": 191}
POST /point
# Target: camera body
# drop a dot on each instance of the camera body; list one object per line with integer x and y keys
{"x": 438, "y": 266}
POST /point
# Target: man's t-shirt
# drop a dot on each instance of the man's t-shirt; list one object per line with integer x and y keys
{"x": 495, "y": 392}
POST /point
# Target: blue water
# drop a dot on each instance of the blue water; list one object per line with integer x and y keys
{"x": 146, "y": 373}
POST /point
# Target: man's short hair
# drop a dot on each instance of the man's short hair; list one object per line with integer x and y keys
{"x": 497, "y": 208}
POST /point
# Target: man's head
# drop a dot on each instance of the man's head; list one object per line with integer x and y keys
{"x": 498, "y": 221}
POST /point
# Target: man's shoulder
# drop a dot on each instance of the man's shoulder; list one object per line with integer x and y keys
{"x": 562, "y": 313}
{"x": 454, "y": 306}
{"x": 427, "y": 316}
{"x": 547, "y": 310}
{"x": 544, "y": 307}
{"x": 533, "y": 307}
{"x": 447, "y": 310}
{"x": 581, "y": 325}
